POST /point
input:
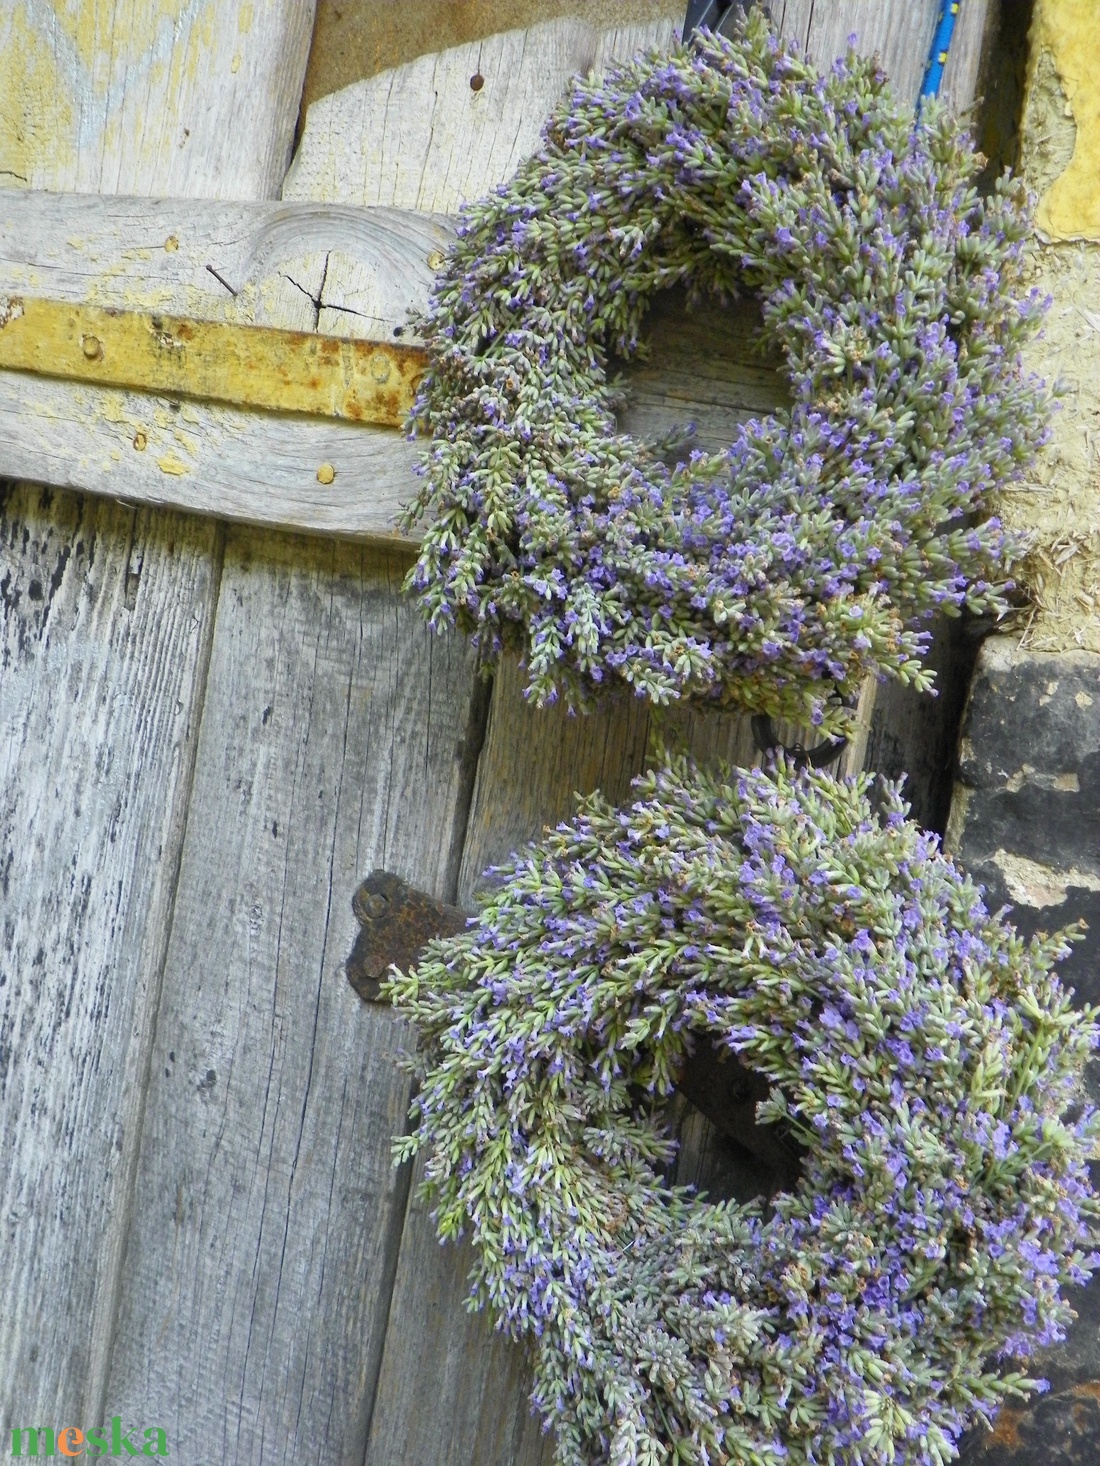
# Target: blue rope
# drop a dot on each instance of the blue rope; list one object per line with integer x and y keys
{"x": 941, "y": 44}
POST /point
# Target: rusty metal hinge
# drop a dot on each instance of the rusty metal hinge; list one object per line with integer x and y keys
{"x": 395, "y": 923}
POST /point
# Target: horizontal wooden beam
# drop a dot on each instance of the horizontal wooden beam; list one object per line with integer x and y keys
{"x": 271, "y": 273}
{"x": 309, "y": 268}
{"x": 215, "y": 361}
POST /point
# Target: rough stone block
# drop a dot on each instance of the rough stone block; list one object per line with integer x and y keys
{"x": 1025, "y": 821}
{"x": 1025, "y": 818}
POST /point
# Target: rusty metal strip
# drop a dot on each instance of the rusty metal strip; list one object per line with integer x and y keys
{"x": 248, "y": 366}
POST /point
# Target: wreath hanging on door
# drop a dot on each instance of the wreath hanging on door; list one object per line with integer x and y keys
{"x": 776, "y": 575}
{"x": 925, "y": 1056}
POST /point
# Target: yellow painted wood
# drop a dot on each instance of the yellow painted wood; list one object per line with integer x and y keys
{"x": 247, "y": 366}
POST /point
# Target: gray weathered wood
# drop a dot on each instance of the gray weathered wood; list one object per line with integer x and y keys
{"x": 335, "y": 738}
{"x": 138, "y": 254}
{"x": 533, "y": 763}
{"x": 270, "y": 1368}
{"x": 252, "y": 263}
{"x": 899, "y": 33}
{"x": 420, "y": 137}
{"x": 108, "y": 614}
{"x": 450, "y": 1391}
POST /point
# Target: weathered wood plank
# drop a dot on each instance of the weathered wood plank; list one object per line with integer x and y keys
{"x": 274, "y": 1375}
{"x": 382, "y": 139}
{"x": 136, "y": 253}
{"x": 106, "y": 619}
{"x": 335, "y": 738}
{"x": 339, "y": 270}
{"x": 899, "y": 33}
{"x": 239, "y": 465}
{"x": 450, "y": 1390}
{"x": 248, "y": 263}
{"x": 108, "y": 614}
{"x": 157, "y": 98}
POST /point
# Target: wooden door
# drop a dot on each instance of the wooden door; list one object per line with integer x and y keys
{"x": 212, "y": 729}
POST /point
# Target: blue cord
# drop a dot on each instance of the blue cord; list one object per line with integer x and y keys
{"x": 941, "y": 44}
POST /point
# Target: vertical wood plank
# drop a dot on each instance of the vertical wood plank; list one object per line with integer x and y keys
{"x": 290, "y": 1348}
{"x": 268, "y": 1215}
{"x": 900, "y": 34}
{"x": 450, "y": 1391}
{"x": 105, "y": 624}
{"x": 421, "y": 137}
{"x": 107, "y": 616}
{"x": 151, "y": 96}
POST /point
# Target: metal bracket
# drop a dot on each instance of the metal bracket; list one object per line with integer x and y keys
{"x": 716, "y": 15}
{"x": 216, "y": 361}
{"x": 727, "y": 1093}
{"x": 764, "y": 736}
{"x": 396, "y": 921}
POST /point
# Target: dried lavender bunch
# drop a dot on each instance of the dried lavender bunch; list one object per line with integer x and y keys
{"x": 815, "y": 549}
{"x": 925, "y": 1054}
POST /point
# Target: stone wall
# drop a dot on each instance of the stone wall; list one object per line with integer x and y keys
{"x": 1025, "y": 815}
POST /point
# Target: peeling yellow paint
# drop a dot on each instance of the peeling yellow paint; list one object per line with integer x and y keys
{"x": 235, "y": 64}
{"x": 87, "y": 24}
{"x": 37, "y": 125}
{"x": 1069, "y": 30}
{"x": 172, "y": 464}
{"x": 247, "y": 366}
{"x": 96, "y": 68}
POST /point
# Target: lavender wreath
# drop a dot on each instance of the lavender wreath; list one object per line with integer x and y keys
{"x": 777, "y": 574}
{"x": 925, "y": 1055}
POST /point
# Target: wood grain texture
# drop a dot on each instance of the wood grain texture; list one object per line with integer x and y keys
{"x": 535, "y": 761}
{"x": 159, "y": 97}
{"x": 340, "y": 271}
{"x": 421, "y": 137}
{"x": 250, "y": 263}
{"x": 451, "y": 1391}
{"x": 899, "y": 33}
{"x": 267, "y": 1213}
{"x": 108, "y": 615}
{"x": 261, "y": 468}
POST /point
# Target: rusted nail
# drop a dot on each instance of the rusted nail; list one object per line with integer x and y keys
{"x": 477, "y": 81}
{"x": 221, "y": 280}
